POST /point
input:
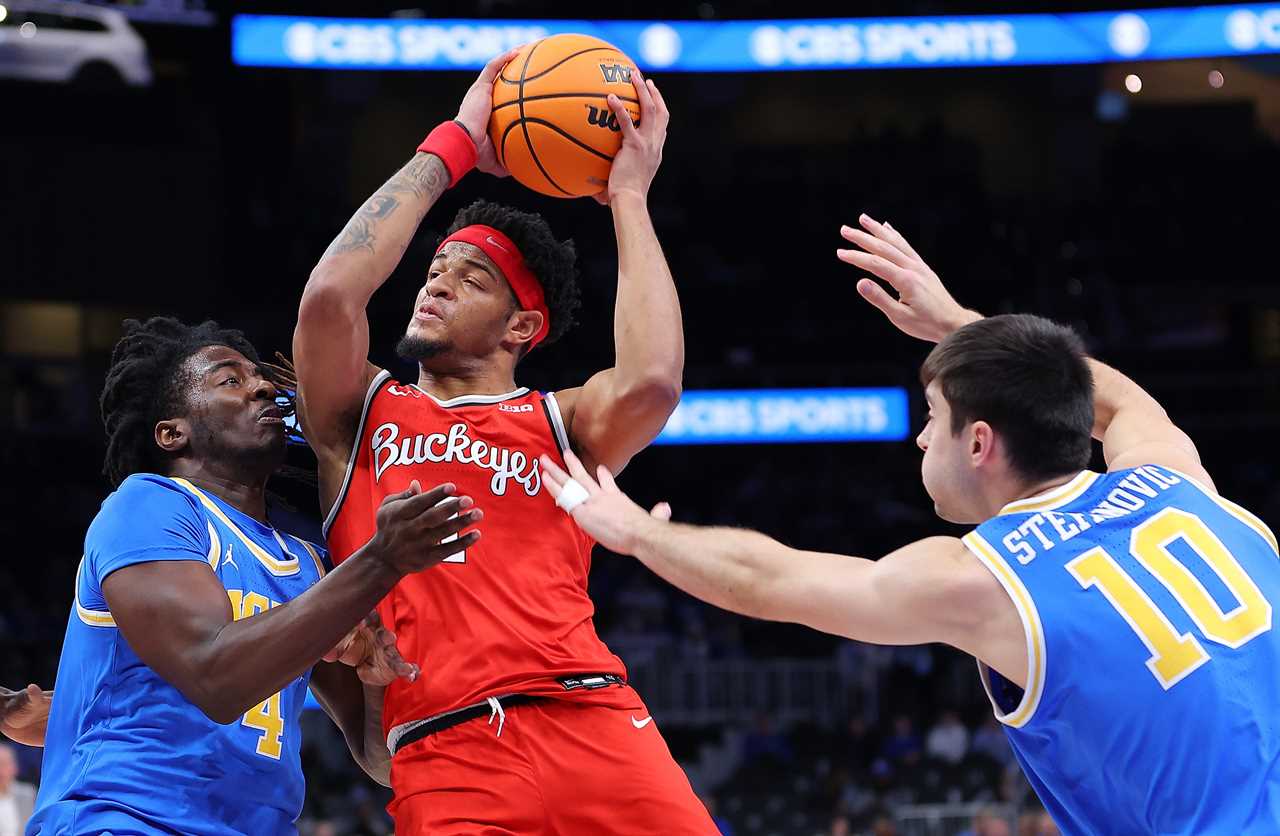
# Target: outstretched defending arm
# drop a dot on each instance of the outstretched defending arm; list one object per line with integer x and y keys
{"x": 1132, "y": 426}
{"x": 331, "y": 340}
{"x": 932, "y": 590}
{"x": 620, "y": 410}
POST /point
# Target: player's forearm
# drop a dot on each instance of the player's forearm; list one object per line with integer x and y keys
{"x": 730, "y": 568}
{"x": 648, "y": 331}
{"x": 251, "y": 659}
{"x": 366, "y": 252}
{"x": 375, "y": 758}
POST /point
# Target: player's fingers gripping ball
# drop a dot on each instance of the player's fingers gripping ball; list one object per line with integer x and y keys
{"x": 551, "y": 126}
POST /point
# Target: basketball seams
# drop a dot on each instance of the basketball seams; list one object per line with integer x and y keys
{"x": 541, "y": 73}
{"x": 542, "y": 96}
{"x": 524, "y": 127}
{"x": 553, "y": 126}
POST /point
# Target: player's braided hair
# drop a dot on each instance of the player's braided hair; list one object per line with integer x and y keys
{"x": 145, "y": 385}
{"x": 553, "y": 262}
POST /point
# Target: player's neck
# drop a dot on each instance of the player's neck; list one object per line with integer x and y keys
{"x": 489, "y": 379}
{"x": 1030, "y": 489}
{"x": 249, "y": 498}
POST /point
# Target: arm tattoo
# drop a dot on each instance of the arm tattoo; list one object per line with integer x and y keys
{"x": 424, "y": 178}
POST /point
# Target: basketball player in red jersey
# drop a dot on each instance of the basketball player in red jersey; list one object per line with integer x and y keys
{"x": 522, "y": 721}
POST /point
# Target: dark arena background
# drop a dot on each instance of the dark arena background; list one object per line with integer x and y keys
{"x": 1123, "y": 184}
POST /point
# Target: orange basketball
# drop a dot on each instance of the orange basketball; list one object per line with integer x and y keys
{"x": 551, "y": 125}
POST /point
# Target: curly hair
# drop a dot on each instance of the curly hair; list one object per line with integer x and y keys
{"x": 145, "y": 385}
{"x": 555, "y": 263}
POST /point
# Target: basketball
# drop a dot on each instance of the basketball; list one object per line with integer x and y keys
{"x": 551, "y": 125}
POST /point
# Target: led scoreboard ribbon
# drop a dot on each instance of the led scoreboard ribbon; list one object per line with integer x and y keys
{"x": 772, "y": 45}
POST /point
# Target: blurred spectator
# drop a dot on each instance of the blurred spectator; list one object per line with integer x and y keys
{"x": 903, "y": 745}
{"x": 16, "y": 798}
{"x": 722, "y": 824}
{"x": 948, "y": 741}
{"x": 1036, "y": 823}
{"x": 883, "y": 826}
{"x": 990, "y": 740}
{"x": 840, "y": 826}
{"x": 988, "y": 822}
{"x": 766, "y": 742}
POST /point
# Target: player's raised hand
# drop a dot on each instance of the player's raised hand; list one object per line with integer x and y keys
{"x": 413, "y": 526}
{"x": 24, "y": 714}
{"x": 371, "y": 649}
{"x": 638, "y": 159}
{"x": 923, "y": 307}
{"x": 477, "y": 107}
{"x": 607, "y": 514}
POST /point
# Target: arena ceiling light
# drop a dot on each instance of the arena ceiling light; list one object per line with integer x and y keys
{"x": 772, "y": 45}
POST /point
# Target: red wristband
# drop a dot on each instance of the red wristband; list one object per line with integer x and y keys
{"x": 453, "y": 144}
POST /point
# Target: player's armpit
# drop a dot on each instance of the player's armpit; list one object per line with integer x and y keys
{"x": 1135, "y": 429}
{"x": 610, "y": 420}
{"x": 933, "y": 590}
{"x": 1170, "y": 454}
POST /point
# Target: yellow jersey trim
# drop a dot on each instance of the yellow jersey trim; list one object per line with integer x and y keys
{"x": 1036, "y": 655}
{"x": 94, "y": 618}
{"x": 315, "y": 555}
{"x": 1054, "y": 497}
{"x": 277, "y": 567}
{"x": 1241, "y": 513}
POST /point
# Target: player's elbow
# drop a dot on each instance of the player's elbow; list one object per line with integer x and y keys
{"x": 655, "y": 392}
{"x": 220, "y": 712}
{"x": 221, "y": 704}
{"x": 327, "y": 300}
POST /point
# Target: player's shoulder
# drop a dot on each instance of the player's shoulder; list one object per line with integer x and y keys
{"x": 144, "y": 504}
{"x": 148, "y": 495}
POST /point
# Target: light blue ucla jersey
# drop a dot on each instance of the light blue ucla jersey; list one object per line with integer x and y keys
{"x": 125, "y": 751}
{"x": 1153, "y": 691}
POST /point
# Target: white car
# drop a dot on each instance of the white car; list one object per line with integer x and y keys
{"x": 70, "y": 42}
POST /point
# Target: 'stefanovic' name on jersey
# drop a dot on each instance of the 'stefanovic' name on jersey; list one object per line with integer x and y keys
{"x": 1152, "y": 684}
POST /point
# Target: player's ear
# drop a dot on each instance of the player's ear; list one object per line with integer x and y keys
{"x": 523, "y": 325}
{"x": 982, "y": 442}
{"x": 173, "y": 435}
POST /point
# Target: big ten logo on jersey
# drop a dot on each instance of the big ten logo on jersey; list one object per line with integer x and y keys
{"x": 519, "y": 407}
{"x": 389, "y": 450}
{"x": 266, "y": 717}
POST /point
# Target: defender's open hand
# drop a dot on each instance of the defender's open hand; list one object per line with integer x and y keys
{"x": 607, "y": 514}
{"x": 923, "y": 309}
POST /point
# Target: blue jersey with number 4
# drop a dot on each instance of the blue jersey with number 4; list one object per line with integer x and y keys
{"x": 1153, "y": 691}
{"x": 125, "y": 751}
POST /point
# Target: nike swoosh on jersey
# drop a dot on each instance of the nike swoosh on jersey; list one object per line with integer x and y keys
{"x": 640, "y": 724}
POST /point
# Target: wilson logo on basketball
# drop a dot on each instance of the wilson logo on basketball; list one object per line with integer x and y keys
{"x": 615, "y": 73}
{"x": 603, "y": 117}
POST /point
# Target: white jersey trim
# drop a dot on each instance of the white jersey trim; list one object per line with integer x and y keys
{"x": 1026, "y": 607}
{"x": 469, "y": 400}
{"x": 557, "y": 421}
{"x": 94, "y": 618}
{"x": 329, "y": 519}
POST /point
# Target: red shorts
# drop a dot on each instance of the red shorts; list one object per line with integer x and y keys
{"x": 560, "y": 767}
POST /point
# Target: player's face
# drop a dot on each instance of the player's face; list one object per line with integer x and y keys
{"x": 464, "y": 307}
{"x": 233, "y": 412}
{"x": 946, "y": 469}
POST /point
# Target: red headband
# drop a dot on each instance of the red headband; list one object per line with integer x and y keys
{"x": 504, "y": 253}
